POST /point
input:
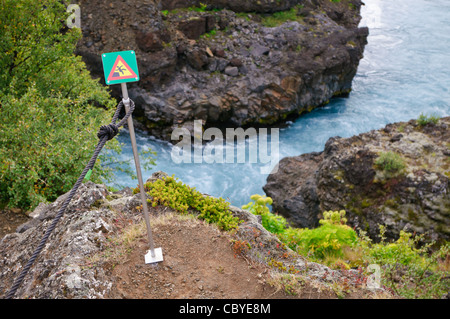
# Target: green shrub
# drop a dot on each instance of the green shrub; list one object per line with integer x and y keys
{"x": 274, "y": 223}
{"x": 48, "y": 123}
{"x": 409, "y": 268}
{"x": 390, "y": 162}
{"x": 50, "y": 107}
{"x": 171, "y": 192}
{"x": 280, "y": 17}
{"x": 44, "y": 147}
{"x": 325, "y": 241}
{"x": 423, "y": 120}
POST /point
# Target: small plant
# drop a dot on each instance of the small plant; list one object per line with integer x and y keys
{"x": 327, "y": 240}
{"x": 169, "y": 191}
{"x": 279, "y": 17}
{"x": 240, "y": 247}
{"x": 277, "y": 264}
{"x": 333, "y": 218}
{"x": 202, "y": 8}
{"x": 423, "y": 120}
{"x": 259, "y": 206}
{"x": 292, "y": 284}
{"x": 209, "y": 34}
{"x": 390, "y": 162}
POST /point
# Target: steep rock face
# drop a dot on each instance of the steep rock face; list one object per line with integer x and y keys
{"x": 224, "y": 67}
{"x": 345, "y": 176}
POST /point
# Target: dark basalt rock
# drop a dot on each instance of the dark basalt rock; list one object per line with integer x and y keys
{"x": 345, "y": 176}
{"x": 219, "y": 66}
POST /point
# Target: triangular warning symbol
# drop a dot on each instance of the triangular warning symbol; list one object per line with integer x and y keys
{"x": 121, "y": 71}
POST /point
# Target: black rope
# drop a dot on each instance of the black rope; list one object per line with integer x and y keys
{"x": 105, "y": 133}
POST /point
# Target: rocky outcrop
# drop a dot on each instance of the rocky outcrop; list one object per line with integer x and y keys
{"x": 73, "y": 263}
{"x": 59, "y": 269}
{"x": 223, "y": 66}
{"x": 346, "y": 176}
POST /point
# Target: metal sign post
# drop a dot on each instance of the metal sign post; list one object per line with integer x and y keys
{"x": 121, "y": 67}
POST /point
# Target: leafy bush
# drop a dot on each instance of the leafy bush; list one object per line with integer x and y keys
{"x": 171, "y": 192}
{"x": 423, "y": 120}
{"x": 44, "y": 147}
{"x": 37, "y": 50}
{"x": 408, "y": 270}
{"x": 274, "y": 223}
{"x": 48, "y": 123}
{"x": 50, "y": 107}
{"x": 325, "y": 241}
{"x": 390, "y": 162}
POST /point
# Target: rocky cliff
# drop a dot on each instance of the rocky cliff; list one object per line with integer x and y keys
{"x": 409, "y": 189}
{"x": 234, "y": 63}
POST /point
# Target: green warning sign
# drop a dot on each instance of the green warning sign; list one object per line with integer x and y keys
{"x": 120, "y": 67}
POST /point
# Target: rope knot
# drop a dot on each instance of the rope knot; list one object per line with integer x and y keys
{"x": 109, "y": 130}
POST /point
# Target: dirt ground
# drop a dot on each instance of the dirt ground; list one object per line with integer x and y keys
{"x": 10, "y": 220}
{"x": 199, "y": 263}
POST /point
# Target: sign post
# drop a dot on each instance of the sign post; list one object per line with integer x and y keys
{"x": 121, "y": 67}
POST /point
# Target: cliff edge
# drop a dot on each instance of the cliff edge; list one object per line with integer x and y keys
{"x": 97, "y": 251}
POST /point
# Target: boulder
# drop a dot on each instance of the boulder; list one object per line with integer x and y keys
{"x": 193, "y": 27}
{"x": 148, "y": 42}
{"x": 231, "y": 71}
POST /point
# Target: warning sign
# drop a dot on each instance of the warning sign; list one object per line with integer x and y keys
{"x": 120, "y": 67}
{"x": 121, "y": 71}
